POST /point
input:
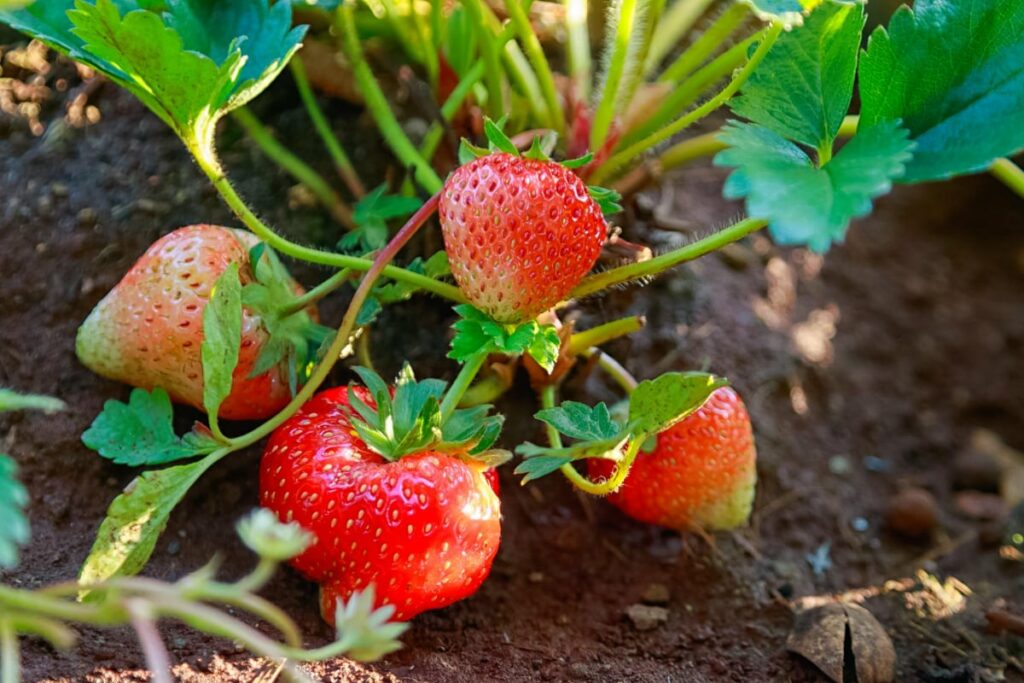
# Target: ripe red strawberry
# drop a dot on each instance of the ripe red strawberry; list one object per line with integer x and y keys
{"x": 416, "y": 518}
{"x": 147, "y": 331}
{"x": 701, "y": 473}
{"x": 520, "y": 233}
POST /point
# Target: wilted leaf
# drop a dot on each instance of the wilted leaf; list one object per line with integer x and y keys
{"x": 838, "y": 638}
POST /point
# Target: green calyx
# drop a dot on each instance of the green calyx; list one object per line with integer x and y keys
{"x": 409, "y": 420}
{"x": 294, "y": 337}
{"x": 540, "y": 150}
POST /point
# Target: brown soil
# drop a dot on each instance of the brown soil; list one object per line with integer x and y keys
{"x": 897, "y": 346}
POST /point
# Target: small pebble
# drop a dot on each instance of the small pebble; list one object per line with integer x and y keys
{"x": 873, "y": 463}
{"x": 87, "y": 217}
{"x": 645, "y": 617}
{"x": 859, "y": 524}
{"x": 912, "y": 513}
{"x": 536, "y": 577}
{"x": 656, "y": 594}
{"x": 839, "y": 464}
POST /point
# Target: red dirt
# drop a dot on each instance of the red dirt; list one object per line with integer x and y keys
{"x": 926, "y": 348}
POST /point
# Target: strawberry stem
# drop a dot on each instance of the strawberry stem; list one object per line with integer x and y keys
{"x": 347, "y": 327}
{"x": 581, "y": 342}
{"x": 1009, "y": 173}
{"x": 462, "y": 381}
{"x": 299, "y": 169}
{"x": 301, "y": 303}
{"x": 622, "y": 158}
{"x": 211, "y": 167}
{"x": 342, "y": 163}
{"x": 623, "y": 377}
{"x": 670, "y": 259}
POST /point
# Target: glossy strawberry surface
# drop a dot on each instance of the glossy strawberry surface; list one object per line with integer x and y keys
{"x": 148, "y": 330}
{"x": 519, "y": 233}
{"x": 700, "y": 474}
{"x": 423, "y": 529}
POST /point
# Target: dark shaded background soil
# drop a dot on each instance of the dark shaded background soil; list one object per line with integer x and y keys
{"x": 866, "y": 371}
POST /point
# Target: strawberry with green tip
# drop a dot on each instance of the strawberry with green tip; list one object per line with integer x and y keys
{"x": 700, "y": 474}
{"x": 520, "y": 233}
{"x": 148, "y": 330}
{"x": 397, "y": 497}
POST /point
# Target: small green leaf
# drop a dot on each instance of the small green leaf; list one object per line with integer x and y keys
{"x": 606, "y": 198}
{"x": 222, "y": 338}
{"x": 497, "y": 138}
{"x": 578, "y": 162}
{"x": 804, "y": 204}
{"x": 953, "y": 73}
{"x": 544, "y": 347}
{"x": 14, "y": 529}
{"x": 580, "y": 421}
{"x": 141, "y": 432}
{"x": 802, "y": 89}
{"x": 476, "y": 332}
{"x": 136, "y": 518}
{"x": 365, "y": 630}
{"x": 469, "y": 152}
{"x": 657, "y": 404}
{"x": 371, "y": 215}
{"x": 538, "y": 465}
{"x": 10, "y": 400}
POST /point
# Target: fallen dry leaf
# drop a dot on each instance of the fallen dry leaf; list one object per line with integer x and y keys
{"x": 828, "y": 635}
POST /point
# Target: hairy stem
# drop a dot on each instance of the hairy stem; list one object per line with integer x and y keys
{"x": 348, "y": 325}
{"x": 672, "y": 28}
{"x": 625, "y": 156}
{"x": 612, "y": 484}
{"x": 342, "y": 163}
{"x": 462, "y": 381}
{"x": 211, "y": 167}
{"x": 1009, "y": 173}
{"x": 710, "y": 40}
{"x": 377, "y": 103}
{"x": 578, "y": 37}
{"x": 153, "y": 648}
{"x": 304, "y": 301}
{"x": 580, "y": 342}
{"x": 295, "y": 166}
{"x": 620, "y": 47}
{"x": 10, "y": 653}
{"x": 535, "y": 53}
{"x": 670, "y": 259}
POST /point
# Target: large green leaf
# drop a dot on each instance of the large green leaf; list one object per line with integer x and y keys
{"x": 657, "y": 404}
{"x": 806, "y": 205}
{"x": 953, "y": 73}
{"x": 190, "y": 61}
{"x": 803, "y": 87}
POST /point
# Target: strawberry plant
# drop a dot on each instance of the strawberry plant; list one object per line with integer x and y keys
{"x": 393, "y": 481}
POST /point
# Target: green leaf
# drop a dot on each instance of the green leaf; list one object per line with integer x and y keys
{"x": 953, "y": 73}
{"x": 10, "y": 400}
{"x": 606, "y": 198}
{"x": 469, "y": 152}
{"x": 141, "y": 432}
{"x": 580, "y": 421}
{"x": 802, "y": 89}
{"x": 136, "y": 518}
{"x": 804, "y": 204}
{"x": 499, "y": 142}
{"x": 657, "y": 404}
{"x": 371, "y": 215}
{"x": 14, "y": 529}
{"x": 476, "y": 332}
{"x": 222, "y": 338}
{"x": 365, "y": 630}
{"x": 578, "y": 162}
{"x": 539, "y": 464}
{"x": 190, "y": 64}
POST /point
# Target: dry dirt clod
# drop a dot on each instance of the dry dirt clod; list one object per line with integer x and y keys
{"x": 845, "y": 642}
{"x": 912, "y": 513}
{"x": 645, "y": 617}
